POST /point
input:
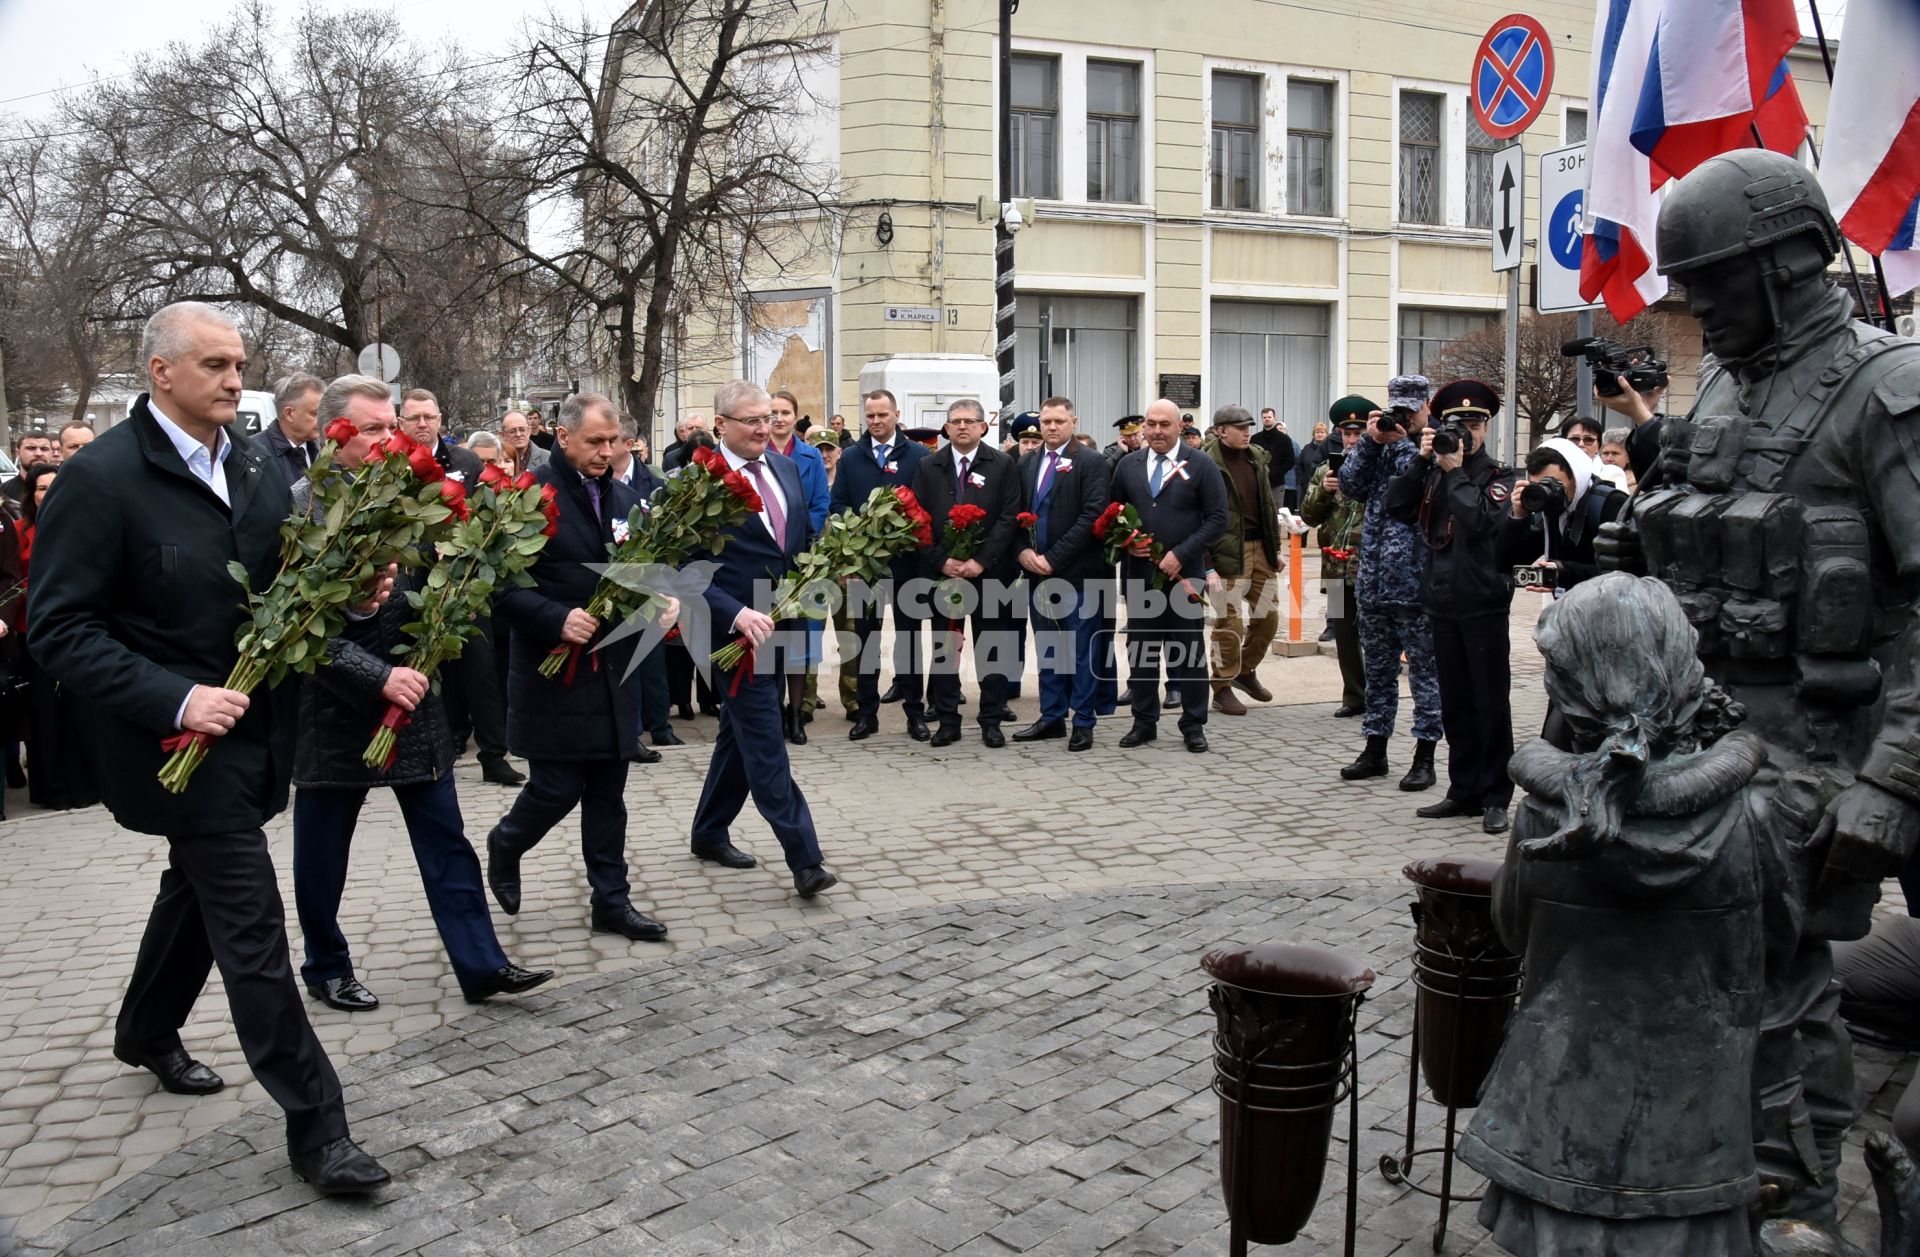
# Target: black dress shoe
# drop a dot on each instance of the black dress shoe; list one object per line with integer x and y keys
{"x": 809, "y": 882}
{"x": 643, "y": 754}
{"x": 1196, "y": 741}
{"x": 893, "y": 694}
{"x": 508, "y": 979}
{"x": 710, "y": 709}
{"x": 1081, "y": 739}
{"x": 1172, "y": 699}
{"x": 795, "y": 727}
{"x": 725, "y": 854}
{"x": 1350, "y": 709}
{"x": 503, "y": 873}
{"x": 863, "y": 727}
{"x": 667, "y": 737}
{"x": 1445, "y": 809}
{"x": 501, "y": 773}
{"x": 1495, "y": 820}
{"x": 345, "y": 994}
{"x": 1139, "y": 734}
{"x": 992, "y": 736}
{"x": 945, "y": 735}
{"x": 917, "y": 729}
{"x": 340, "y": 1168}
{"x": 683, "y": 712}
{"x": 630, "y": 921}
{"x": 1041, "y": 730}
{"x": 177, "y": 1072}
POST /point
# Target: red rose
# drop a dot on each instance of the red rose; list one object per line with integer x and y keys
{"x": 1105, "y": 522}
{"x": 426, "y": 468}
{"x": 1026, "y": 519}
{"x": 454, "y": 494}
{"x": 377, "y": 452}
{"x": 709, "y": 458}
{"x": 341, "y": 430}
{"x": 493, "y": 477}
{"x": 965, "y": 516}
{"x": 923, "y": 531}
{"x": 400, "y": 443}
{"x": 742, "y": 488}
{"x": 524, "y": 480}
{"x": 548, "y": 496}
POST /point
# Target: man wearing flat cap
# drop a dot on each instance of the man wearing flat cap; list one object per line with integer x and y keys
{"x": 1339, "y": 519}
{"x": 1460, "y": 499}
{"x": 1247, "y": 557}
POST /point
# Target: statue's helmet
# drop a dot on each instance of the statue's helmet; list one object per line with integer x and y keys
{"x": 1746, "y": 201}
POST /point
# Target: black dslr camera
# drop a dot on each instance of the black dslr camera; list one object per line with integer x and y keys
{"x": 1544, "y": 494}
{"x": 1449, "y": 437}
{"x": 1611, "y": 359}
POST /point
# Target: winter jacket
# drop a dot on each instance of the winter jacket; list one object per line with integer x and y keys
{"x": 1392, "y": 557}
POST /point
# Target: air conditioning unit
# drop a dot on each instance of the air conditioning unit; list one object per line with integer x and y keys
{"x": 1907, "y": 325}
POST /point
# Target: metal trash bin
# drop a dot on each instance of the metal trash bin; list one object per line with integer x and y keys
{"x": 1284, "y": 1058}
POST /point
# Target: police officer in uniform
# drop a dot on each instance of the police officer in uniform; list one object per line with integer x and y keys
{"x": 1788, "y": 523}
{"x": 1458, "y": 497}
{"x": 1129, "y": 430}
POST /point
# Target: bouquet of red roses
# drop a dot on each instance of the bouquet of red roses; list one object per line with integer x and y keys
{"x": 856, "y": 545}
{"x": 688, "y": 513}
{"x": 1027, "y": 520}
{"x": 331, "y": 555}
{"x": 1119, "y": 527}
{"x": 497, "y": 531}
{"x": 960, "y": 538}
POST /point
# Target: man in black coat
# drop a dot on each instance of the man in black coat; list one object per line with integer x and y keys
{"x": 345, "y": 701}
{"x": 969, "y": 472}
{"x": 1065, "y": 485}
{"x": 1182, "y": 503}
{"x": 293, "y": 438}
{"x": 576, "y": 729}
{"x": 135, "y": 612}
{"x": 883, "y": 457}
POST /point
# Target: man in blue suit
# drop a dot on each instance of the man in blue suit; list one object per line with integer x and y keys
{"x": 884, "y": 457}
{"x": 756, "y": 553}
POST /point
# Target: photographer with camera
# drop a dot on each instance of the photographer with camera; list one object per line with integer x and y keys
{"x": 1458, "y": 497}
{"x": 1392, "y": 561}
{"x": 1631, "y": 382}
{"x": 1339, "y": 520}
{"x": 1547, "y": 539}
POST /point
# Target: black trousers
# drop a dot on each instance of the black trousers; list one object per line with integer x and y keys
{"x": 1475, "y": 707}
{"x": 909, "y": 657}
{"x": 476, "y": 704}
{"x": 219, "y": 904}
{"x": 646, "y": 685}
{"x": 1172, "y": 639}
{"x": 554, "y": 788}
{"x": 997, "y": 655}
{"x": 683, "y": 678}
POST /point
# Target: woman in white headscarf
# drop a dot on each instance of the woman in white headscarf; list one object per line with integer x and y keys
{"x": 1556, "y": 512}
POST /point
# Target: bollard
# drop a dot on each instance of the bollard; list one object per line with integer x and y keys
{"x": 1284, "y": 1058}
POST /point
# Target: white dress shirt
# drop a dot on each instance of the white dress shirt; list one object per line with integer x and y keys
{"x": 767, "y": 484}
{"x": 209, "y": 465}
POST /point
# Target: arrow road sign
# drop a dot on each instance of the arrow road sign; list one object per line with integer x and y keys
{"x": 1512, "y": 75}
{"x": 1509, "y": 208}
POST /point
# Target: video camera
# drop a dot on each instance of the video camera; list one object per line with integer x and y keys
{"x": 1611, "y": 359}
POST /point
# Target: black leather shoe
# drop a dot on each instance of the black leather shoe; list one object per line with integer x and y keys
{"x": 643, "y": 754}
{"x": 945, "y": 735}
{"x": 1445, "y": 809}
{"x": 501, "y": 773}
{"x": 1350, "y": 709}
{"x": 683, "y": 712}
{"x": 863, "y": 727}
{"x": 710, "y": 709}
{"x": 1140, "y": 733}
{"x": 893, "y": 694}
{"x": 725, "y": 854}
{"x": 1172, "y": 699}
{"x": 668, "y": 737}
{"x": 809, "y": 882}
{"x": 503, "y": 873}
{"x": 917, "y": 729}
{"x": 630, "y": 921}
{"x": 1041, "y": 730}
{"x": 340, "y": 1168}
{"x": 1196, "y": 741}
{"x": 794, "y": 726}
{"x": 1494, "y": 820}
{"x": 1081, "y": 739}
{"x": 345, "y": 994}
{"x": 992, "y": 736}
{"x": 177, "y": 1072}
{"x": 508, "y": 979}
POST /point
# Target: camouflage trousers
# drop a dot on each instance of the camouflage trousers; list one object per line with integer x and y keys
{"x": 1387, "y": 631}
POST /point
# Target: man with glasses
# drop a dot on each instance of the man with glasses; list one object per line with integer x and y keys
{"x": 516, "y": 433}
{"x": 420, "y": 419}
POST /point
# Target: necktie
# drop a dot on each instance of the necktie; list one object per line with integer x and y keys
{"x": 960, "y": 481}
{"x": 593, "y": 495}
{"x": 880, "y": 453}
{"x": 1046, "y": 476}
{"x": 306, "y": 456}
{"x": 1159, "y": 473}
{"x": 776, "y": 518}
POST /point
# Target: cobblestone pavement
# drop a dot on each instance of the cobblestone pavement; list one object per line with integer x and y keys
{"x": 1028, "y": 1075}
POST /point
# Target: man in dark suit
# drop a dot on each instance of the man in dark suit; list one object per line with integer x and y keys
{"x": 750, "y": 749}
{"x": 883, "y": 457}
{"x": 1066, "y": 486}
{"x": 134, "y": 612}
{"x": 575, "y": 730}
{"x": 293, "y": 438}
{"x": 968, "y": 472}
{"x": 1182, "y": 503}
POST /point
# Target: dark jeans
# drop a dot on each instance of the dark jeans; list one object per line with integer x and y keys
{"x": 1471, "y": 659}
{"x": 554, "y": 788}
{"x": 1066, "y": 648}
{"x": 219, "y": 904}
{"x": 323, "y": 825}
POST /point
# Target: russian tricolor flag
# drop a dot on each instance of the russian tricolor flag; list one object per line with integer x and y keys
{"x": 1674, "y": 83}
{"x": 1871, "y": 166}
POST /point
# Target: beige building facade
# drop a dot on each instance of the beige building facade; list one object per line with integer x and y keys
{"x": 1289, "y": 202}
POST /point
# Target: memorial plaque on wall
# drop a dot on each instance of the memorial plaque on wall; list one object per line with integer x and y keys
{"x": 1182, "y": 390}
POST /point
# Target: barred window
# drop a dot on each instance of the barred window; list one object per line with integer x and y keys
{"x": 1422, "y": 130}
{"x": 1480, "y": 194}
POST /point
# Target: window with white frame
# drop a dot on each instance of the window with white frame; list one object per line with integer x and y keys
{"x": 1480, "y": 149}
{"x": 1423, "y": 118}
{"x": 1236, "y": 140}
{"x": 1310, "y": 154}
{"x": 1425, "y": 334}
{"x": 1113, "y": 131}
{"x": 1035, "y": 126}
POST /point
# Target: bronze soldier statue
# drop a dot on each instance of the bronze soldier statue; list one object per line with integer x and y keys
{"x": 1788, "y": 525}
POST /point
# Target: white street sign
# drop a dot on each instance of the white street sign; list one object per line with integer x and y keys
{"x": 1563, "y": 194}
{"x": 382, "y": 362}
{"x": 913, "y": 314}
{"x": 1509, "y": 208}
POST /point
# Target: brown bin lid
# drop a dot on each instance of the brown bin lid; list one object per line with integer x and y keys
{"x": 1287, "y": 969}
{"x": 1460, "y": 874}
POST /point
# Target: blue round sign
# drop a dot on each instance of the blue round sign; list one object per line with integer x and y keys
{"x": 1565, "y": 227}
{"x": 1512, "y": 75}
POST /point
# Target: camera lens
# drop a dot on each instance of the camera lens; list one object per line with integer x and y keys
{"x": 1542, "y": 495}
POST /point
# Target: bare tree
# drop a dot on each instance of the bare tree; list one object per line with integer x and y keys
{"x": 653, "y": 171}
{"x": 1544, "y": 380}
